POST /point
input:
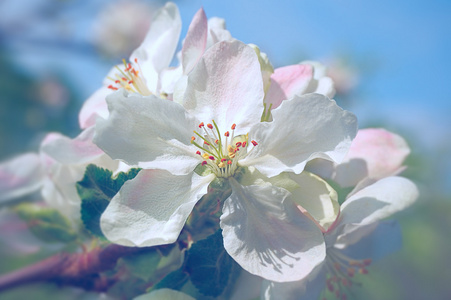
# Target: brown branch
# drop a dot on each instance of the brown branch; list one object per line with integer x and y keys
{"x": 76, "y": 269}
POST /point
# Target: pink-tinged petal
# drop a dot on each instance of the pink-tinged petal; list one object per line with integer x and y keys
{"x": 226, "y": 86}
{"x": 378, "y": 201}
{"x": 148, "y": 132}
{"x": 20, "y": 176}
{"x": 158, "y": 47}
{"x": 80, "y": 150}
{"x": 306, "y": 289}
{"x": 195, "y": 41}
{"x": 380, "y": 151}
{"x": 267, "y": 235}
{"x": 287, "y": 82}
{"x": 152, "y": 208}
{"x": 94, "y": 107}
{"x": 306, "y": 127}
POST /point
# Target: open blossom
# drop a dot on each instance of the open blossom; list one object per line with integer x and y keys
{"x": 262, "y": 229}
{"x": 55, "y": 171}
{"x": 368, "y": 203}
{"x": 147, "y": 71}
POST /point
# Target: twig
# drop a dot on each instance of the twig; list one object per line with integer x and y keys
{"x": 76, "y": 269}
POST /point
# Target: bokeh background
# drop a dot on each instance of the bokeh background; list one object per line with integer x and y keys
{"x": 391, "y": 61}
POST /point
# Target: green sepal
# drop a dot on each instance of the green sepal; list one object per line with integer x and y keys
{"x": 46, "y": 223}
{"x": 96, "y": 190}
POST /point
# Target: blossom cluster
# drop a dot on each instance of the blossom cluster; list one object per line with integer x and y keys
{"x": 299, "y": 184}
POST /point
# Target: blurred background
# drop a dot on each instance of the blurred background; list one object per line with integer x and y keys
{"x": 390, "y": 61}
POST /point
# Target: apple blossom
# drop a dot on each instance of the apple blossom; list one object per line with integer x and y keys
{"x": 377, "y": 195}
{"x": 262, "y": 229}
{"x": 147, "y": 72}
{"x": 60, "y": 163}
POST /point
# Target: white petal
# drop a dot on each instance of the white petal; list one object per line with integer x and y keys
{"x": 217, "y": 31}
{"x": 316, "y": 197}
{"x": 195, "y": 41}
{"x": 380, "y": 152}
{"x": 165, "y": 294}
{"x": 287, "y": 82}
{"x": 59, "y": 190}
{"x": 303, "y": 128}
{"x": 267, "y": 235}
{"x": 149, "y": 132}
{"x": 226, "y": 86}
{"x": 306, "y": 289}
{"x": 152, "y": 208}
{"x": 79, "y": 150}
{"x": 379, "y": 200}
{"x": 158, "y": 47}
{"x": 20, "y": 176}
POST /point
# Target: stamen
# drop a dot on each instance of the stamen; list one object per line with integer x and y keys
{"x": 341, "y": 271}
{"x": 221, "y": 158}
{"x": 127, "y": 77}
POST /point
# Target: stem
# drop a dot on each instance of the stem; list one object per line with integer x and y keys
{"x": 75, "y": 269}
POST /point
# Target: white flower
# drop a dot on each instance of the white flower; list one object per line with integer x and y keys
{"x": 60, "y": 163}
{"x": 147, "y": 72}
{"x": 377, "y": 195}
{"x": 262, "y": 229}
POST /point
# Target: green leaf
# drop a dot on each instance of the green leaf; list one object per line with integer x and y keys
{"x": 96, "y": 189}
{"x": 46, "y": 223}
{"x": 174, "y": 280}
{"x": 209, "y": 265}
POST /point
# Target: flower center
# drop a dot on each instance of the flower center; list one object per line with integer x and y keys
{"x": 341, "y": 270}
{"x": 129, "y": 78}
{"x": 220, "y": 153}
